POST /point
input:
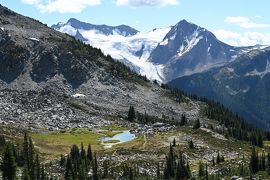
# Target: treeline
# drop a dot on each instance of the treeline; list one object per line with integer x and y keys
{"x": 80, "y": 164}
{"x": 176, "y": 167}
{"x": 84, "y": 165}
{"x": 21, "y": 156}
{"x": 144, "y": 118}
{"x": 259, "y": 161}
{"x": 235, "y": 126}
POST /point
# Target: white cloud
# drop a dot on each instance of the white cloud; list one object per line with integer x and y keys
{"x": 250, "y": 25}
{"x": 140, "y": 3}
{"x": 245, "y": 22}
{"x": 245, "y": 39}
{"x": 236, "y": 19}
{"x": 31, "y": 2}
{"x": 62, "y": 6}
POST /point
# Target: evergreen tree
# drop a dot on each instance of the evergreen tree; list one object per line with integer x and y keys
{"x": 260, "y": 140}
{"x": 25, "y": 151}
{"x": 169, "y": 171}
{"x": 268, "y": 164}
{"x": 131, "y": 114}
{"x": 254, "y": 161}
{"x": 206, "y": 172}
{"x": 62, "y": 160}
{"x": 95, "y": 168}
{"x": 158, "y": 171}
{"x": 201, "y": 172}
{"x": 130, "y": 174}
{"x": 43, "y": 175}
{"x": 174, "y": 142}
{"x": 188, "y": 170}
{"x": 105, "y": 169}
{"x": 69, "y": 169}
{"x": 25, "y": 174}
{"x": 183, "y": 120}
{"x": 197, "y": 124}
{"x": 83, "y": 153}
{"x": 190, "y": 144}
{"x": 218, "y": 158}
{"x": 8, "y": 165}
{"x": 37, "y": 168}
{"x": 89, "y": 153}
{"x": 241, "y": 171}
{"x": 2, "y": 141}
{"x": 31, "y": 156}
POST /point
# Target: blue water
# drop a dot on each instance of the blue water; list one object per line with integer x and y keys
{"x": 125, "y": 136}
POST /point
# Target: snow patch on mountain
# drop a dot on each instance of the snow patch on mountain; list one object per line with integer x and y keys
{"x": 190, "y": 42}
{"x": 255, "y": 72}
{"x": 125, "y": 48}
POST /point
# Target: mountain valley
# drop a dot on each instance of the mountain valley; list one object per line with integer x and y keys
{"x": 60, "y": 94}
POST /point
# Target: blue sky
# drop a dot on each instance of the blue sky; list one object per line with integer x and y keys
{"x": 237, "y": 22}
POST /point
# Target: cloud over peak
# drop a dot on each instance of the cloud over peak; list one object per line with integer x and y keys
{"x": 245, "y": 22}
{"x": 62, "y": 6}
{"x": 141, "y": 3}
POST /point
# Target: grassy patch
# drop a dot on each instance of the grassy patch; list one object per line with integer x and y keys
{"x": 110, "y": 133}
{"x": 52, "y": 145}
{"x": 112, "y": 141}
{"x": 136, "y": 144}
{"x": 114, "y": 127}
{"x": 266, "y": 143}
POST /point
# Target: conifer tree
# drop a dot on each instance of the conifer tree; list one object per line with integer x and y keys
{"x": 26, "y": 151}
{"x": 83, "y": 153}
{"x": 158, "y": 171}
{"x": 95, "y": 168}
{"x": 69, "y": 169}
{"x": 183, "y": 120}
{"x": 37, "y": 168}
{"x": 62, "y": 160}
{"x": 43, "y": 175}
{"x": 218, "y": 158}
{"x": 191, "y": 144}
{"x": 31, "y": 156}
{"x": 25, "y": 173}
{"x": 174, "y": 142}
{"x": 131, "y": 114}
{"x": 259, "y": 140}
{"x": 2, "y": 141}
{"x": 197, "y": 124}
{"x": 89, "y": 153}
{"x": 8, "y": 166}
{"x": 206, "y": 172}
{"x": 201, "y": 172}
{"x": 254, "y": 161}
{"x": 268, "y": 164}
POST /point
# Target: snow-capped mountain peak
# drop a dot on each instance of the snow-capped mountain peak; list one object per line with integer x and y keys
{"x": 122, "y": 30}
{"x": 163, "y": 54}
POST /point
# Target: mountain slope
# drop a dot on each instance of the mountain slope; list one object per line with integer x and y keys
{"x": 67, "y": 83}
{"x": 241, "y": 85}
{"x": 64, "y": 92}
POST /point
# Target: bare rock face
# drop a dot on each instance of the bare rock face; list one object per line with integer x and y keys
{"x": 13, "y": 58}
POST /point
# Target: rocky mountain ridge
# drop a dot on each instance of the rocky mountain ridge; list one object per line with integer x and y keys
{"x": 241, "y": 85}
